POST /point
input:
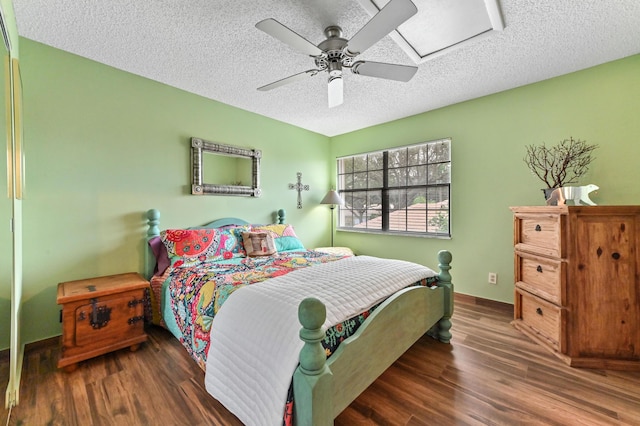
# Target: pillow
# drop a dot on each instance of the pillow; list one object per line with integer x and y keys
{"x": 283, "y": 235}
{"x": 193, "y": 246}
{"x": 160, "y": 253}
{"x": 258, "y": 243}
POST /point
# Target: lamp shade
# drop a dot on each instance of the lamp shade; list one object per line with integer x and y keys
{"x": 332, "y": 197}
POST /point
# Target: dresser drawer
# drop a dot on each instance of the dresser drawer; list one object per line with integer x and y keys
{"x": 540, "y": 234}
{"x": 542, "y": 276}
{"x": 543, "y": 318}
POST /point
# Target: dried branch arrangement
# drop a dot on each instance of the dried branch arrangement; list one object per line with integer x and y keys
{"x": 561, "y": 164}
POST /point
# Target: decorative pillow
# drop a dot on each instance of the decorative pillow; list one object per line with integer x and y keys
{"x": 258, "y": 243}
{"x": 192, "y": 246}
{"x": 283, "y": 235}
{"x": 160, "y": 253}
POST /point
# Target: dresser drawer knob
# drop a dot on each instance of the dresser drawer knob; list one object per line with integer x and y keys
{"x": 539, "y": 268}
{"x": 616, "y": 255}
{"x": 539, "y": 311}
{"x": 538, "y": 228}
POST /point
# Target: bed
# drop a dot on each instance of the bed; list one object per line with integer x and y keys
{"x": 339, "y": 351}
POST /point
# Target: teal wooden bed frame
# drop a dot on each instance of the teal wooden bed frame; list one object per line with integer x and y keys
{"x": 323, "y": 387}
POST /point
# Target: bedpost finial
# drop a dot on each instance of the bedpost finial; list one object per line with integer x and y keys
{"x": 153, "y": 220}
{"x": 153, "y": 214}
{"x": 312, "y": 313}
{"x": 444, "y": 256}
{"x": 444, "y": 263}
{"x": 282, "y": 216}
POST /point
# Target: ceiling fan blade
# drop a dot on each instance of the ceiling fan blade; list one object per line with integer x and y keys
{"x": 291, "y": 79}
{"x": 277, "y": 30}
{"x": 386, "y": 20}
{"x": 382, "y": 70}
{"x": 335, "y": 91}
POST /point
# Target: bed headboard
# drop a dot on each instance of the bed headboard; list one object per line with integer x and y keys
{"x": 153, "y": 222}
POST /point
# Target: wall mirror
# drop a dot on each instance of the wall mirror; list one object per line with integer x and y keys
{"x": 235, "y": 171}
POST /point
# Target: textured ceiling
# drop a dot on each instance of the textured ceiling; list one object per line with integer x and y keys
{"x": 212, "y": 48}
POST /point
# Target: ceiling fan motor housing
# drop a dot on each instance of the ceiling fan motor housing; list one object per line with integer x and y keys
{"x": 333, "y": 48}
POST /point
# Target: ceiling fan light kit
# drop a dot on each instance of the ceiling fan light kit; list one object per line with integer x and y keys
{"x": 336, "y": 53}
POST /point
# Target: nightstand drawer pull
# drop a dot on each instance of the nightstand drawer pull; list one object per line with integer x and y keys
{"x": 134, "y": 320}
{"x": 135, "y": 302}
{"x": 538, "y": 228}
{"x": 539, "y": 268}
{"x": 539, "y": 311}
{"x": 616, "y": 255}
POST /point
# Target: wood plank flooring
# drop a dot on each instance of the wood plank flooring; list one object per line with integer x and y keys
{"x": 490, "y": 375}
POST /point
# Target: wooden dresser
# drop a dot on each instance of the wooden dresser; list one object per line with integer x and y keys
{"x": 577, "y": 290}
{"x": 100, "y": 315}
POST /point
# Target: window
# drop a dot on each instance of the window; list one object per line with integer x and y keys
{"x": 401, "y": 190}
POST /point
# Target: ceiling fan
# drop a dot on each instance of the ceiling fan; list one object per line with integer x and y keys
{"x": 336, "y": 53}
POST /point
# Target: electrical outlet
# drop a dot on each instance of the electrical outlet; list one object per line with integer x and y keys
{"x": 493, "y": 278}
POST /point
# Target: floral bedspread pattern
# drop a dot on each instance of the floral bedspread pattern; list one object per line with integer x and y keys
{"x": 198, "y": 291}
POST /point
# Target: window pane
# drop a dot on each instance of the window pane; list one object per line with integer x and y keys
{"x": 438, "y": 197}
{"x": 358, "y": 201}
{"x": 417, "y": 218}
{"x": 345, "y": 217}
{"x": 397, "y": 177}
{"x": 375, "y": 179}
{"x": 360, "y": 180}
{"x": 348, "y": 200}
{"x": 398, "y": 220}
{"x": 360, "y": 163}
{"x": 345, "y": 182}
{"x": 438, "y": 221}
{"x": 417, "y": 175}
{"x": 347, "y": 165}
{"x": 398, "y": 157}
{"x": 417, "y": 196}
{"x": 439, "y": 151}
{"x": 374, "y": 219}
{"x": 418, "y": 155}
{"x": 374, "y": 200}
{"x": 375, "y": 161}
{"x": 439, "y": 173}
{"x": 397, "y": 199}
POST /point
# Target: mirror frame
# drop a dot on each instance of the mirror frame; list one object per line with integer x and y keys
{"x": 198, "y": 187}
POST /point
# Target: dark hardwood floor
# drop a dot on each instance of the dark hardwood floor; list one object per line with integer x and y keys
{"x": 490, "y": 375}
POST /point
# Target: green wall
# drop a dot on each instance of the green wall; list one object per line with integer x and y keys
{"x": 599, "y": 105}
{"x": 104, "y": 146}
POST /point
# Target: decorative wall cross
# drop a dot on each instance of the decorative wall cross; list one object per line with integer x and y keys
{"x": 299, "y": 187}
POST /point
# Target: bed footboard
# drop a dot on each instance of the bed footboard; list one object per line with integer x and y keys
{"x": 323, "y": 388}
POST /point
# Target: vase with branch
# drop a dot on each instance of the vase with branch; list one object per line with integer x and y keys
{"x": 559, "y": 165}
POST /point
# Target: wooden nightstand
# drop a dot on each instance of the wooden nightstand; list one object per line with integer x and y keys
{"x": 100, "y": 315}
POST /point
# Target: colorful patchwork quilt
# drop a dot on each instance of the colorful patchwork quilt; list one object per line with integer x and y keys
{"x": 193, "y": 294}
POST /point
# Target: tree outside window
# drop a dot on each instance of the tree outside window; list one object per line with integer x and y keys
{"x": 401, "y": 190}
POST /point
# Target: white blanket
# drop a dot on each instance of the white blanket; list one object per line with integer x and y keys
{"x": 254, "y": 337}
